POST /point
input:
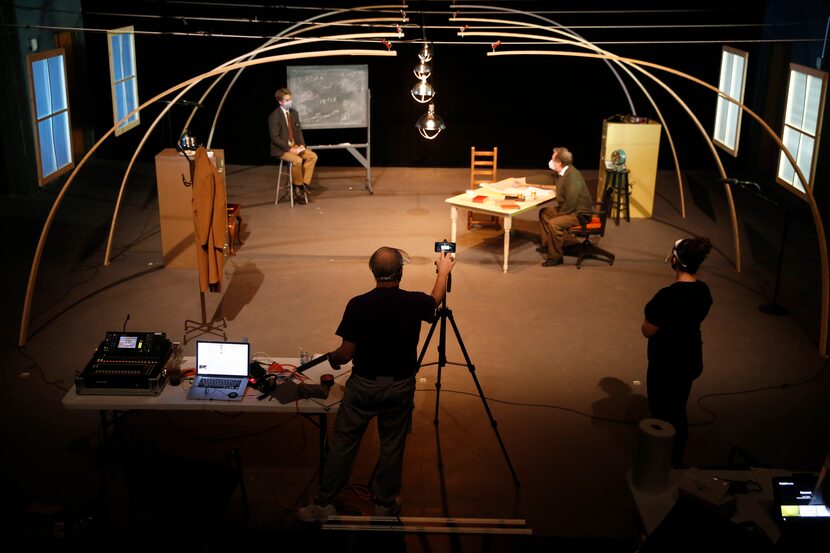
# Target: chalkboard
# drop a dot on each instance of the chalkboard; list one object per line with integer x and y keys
{"x": 330, "y": 96}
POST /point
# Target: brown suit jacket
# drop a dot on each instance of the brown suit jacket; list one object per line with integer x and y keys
{"x": 210, "y": 221}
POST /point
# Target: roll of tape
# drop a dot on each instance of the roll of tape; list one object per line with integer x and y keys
{"x": 654, "y": 452}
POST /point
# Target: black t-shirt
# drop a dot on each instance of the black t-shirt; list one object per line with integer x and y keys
{"x": 385, "y": 324}
{"x": 677, "y": 311}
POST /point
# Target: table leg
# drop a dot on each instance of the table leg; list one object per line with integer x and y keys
{"x": 508, "y": 224}
{"x": 454, "y": 219}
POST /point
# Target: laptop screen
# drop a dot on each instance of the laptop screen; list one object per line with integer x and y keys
{"x": 222, "y": 358}
{"x": 795, "y": 498}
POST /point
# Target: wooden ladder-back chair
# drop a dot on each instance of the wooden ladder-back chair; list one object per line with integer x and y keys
{"x": 483, "y": 167}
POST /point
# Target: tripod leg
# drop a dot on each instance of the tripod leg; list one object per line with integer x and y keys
{"x": 472, "y": 370}
{"x": 442, "y": 357}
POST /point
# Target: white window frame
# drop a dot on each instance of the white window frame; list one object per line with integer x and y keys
{"x": 50, "y": 114}
{"x": 728, "y": 114}
{"x": 123, "y": 77}
{"x": 806, "y": 92}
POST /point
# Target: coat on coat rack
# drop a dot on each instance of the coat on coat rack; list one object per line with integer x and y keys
{"x": 210, "y": 221}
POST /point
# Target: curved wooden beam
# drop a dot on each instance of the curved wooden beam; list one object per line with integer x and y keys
{"x": 164, "y": 111}
{"x": 27, "y": 302}
{"x": 576, "y": 36}
{"x": 580, "y": 42}
{"x": 817, "y": 221}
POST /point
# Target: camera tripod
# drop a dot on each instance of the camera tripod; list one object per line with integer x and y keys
{"x": 441, "y": 317}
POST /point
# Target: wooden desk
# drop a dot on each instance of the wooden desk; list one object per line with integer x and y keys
{"x": 492, "y": 206}
{"x": 174, "y": 398}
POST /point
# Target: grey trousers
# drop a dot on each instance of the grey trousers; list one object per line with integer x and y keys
{"x": 391, "y": 402}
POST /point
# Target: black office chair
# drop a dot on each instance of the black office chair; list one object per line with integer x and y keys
{"x": 592, "y": 223}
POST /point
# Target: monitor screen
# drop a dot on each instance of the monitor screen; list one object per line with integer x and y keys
{"x": 795, "y": 498}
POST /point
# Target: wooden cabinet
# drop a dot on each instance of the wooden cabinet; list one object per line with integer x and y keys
{"x": 178, "y": 243}
{"x": 641, "y": 144}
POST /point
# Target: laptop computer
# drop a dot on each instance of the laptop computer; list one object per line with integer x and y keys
{"x": 796, "y": 502}
{"x": 221, "y": 370}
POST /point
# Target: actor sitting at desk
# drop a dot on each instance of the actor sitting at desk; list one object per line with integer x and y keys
{"x": 571, "y": 196}
{"x": 380, "y": 331}
{"x": 287, "y": 142}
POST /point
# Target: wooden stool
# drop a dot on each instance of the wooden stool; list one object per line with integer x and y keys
{"x": 234, "y": 226}
{"x": 618, "y": 181}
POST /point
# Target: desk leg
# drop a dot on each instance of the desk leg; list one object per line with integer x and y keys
{"x": 454, "y": 219}
{"x": 508, "y": 224}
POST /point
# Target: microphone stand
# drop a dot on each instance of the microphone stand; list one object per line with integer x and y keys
{"x": 772, "y": 308}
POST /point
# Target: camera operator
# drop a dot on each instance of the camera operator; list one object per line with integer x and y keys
{"x": 380, "y": 332}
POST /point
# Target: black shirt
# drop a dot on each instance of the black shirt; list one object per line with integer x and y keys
{"x": 677, "y": 311}
{"x": 385, "y": 325}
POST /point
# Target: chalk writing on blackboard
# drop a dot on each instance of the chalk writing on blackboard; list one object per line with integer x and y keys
{"x": 330, "y": 96}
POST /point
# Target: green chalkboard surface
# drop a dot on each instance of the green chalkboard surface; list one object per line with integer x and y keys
{"x": 330, "y": 96}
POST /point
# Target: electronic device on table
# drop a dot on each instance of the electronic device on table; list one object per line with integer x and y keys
{"x": 221, "y": 370}
{"x": 127, "y": 363}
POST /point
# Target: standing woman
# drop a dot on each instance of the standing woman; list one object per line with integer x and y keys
{"x": 675, "y": 348}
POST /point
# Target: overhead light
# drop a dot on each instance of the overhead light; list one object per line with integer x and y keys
{"x": 430, "y": 125}
{"x": 423, "y": 70}
{"x": 422, "y": 91}
{"x": 425, "y": 54}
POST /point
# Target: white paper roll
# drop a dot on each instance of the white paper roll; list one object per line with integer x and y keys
{"x": 654, "y": 451}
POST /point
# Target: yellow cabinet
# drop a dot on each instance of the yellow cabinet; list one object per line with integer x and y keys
{"x": 641, "y": 144}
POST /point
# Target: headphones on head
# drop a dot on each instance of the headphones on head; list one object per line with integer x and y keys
{"x": 403, "y": 257}
{"x": 674, "y": 258}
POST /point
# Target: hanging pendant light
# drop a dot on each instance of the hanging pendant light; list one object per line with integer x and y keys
{"x": 423, "y": 70}
{"x": 425, "y": 54}
{"x": 430, "y": 125}
{"x": 422, "y": 92}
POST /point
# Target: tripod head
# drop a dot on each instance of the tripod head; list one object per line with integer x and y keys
{"x": 445, "y": 247}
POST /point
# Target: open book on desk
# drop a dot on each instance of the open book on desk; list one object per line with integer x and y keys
{"x": 509, "y": 187}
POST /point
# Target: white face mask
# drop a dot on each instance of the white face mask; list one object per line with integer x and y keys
{"x": 287, "y": 104}
{"x": 550, "y": 164}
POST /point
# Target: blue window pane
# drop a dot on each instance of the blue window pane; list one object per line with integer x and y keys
{"x": 132, "y": 97}
{"x": 127, "y": 55}
{"x": 115, "y": 44}
{"x": 61, "y": 140}
{"x": 57, "y": 83}
{"x": 48, "y": 163}
{"x": 40, "y": 77}
{"x": 120, "y": 101}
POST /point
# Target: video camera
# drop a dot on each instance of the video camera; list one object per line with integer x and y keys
{"x": 445, "y": 247}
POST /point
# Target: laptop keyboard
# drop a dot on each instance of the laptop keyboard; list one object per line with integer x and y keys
{"x": 219, "y": 382}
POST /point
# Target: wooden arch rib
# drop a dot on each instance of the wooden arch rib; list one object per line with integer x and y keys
{"x": 164, "y": 111}
{"x": 27, "y": 303}
{"x": 582, "y": 43}
{"x": 819, "y": 225}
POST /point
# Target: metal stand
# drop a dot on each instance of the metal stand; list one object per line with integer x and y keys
{"x": 443, "y": 314}
{"x": 204, "y": 327}
{"x": 773, "y": 308}
{"x": 770, "y": 308}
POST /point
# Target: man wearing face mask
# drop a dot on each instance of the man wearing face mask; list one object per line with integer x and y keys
{"x": 287, "y": 142}
{"x": 571, "y": 197}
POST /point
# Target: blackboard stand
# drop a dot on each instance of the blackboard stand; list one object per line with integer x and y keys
{"x": 365, "y": 161}
{"x": 352, "y": 149}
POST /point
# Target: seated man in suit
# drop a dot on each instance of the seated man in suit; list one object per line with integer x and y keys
{"x": 571, "y": 196}
{"x": 287, "y": 142}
